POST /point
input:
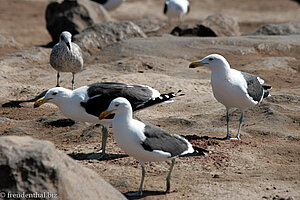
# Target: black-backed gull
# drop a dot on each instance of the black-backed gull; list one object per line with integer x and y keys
{"x": 87, "y": 102}
{"x": 143, "y": 141}
{"x": 233, "y": 88}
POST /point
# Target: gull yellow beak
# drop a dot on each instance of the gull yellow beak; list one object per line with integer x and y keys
{"x": 196, "y": 63}
{"x": 40, "y": 102}
{"x": 104, "y": 114}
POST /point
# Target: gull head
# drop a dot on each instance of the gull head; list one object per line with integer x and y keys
{"x": 117, "y": 106}
{"x": 55, "y": 95}
{"x": 66, "y": 38}
{"x": 213, "y": 61}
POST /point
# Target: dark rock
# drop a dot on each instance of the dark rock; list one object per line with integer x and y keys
{"x": 98, "y": 36}
{"x": 72, "y": 16}
{"x": 34, "y": 166}
{"x": 291, "y": 28}
{"x": 188, "y": 30}
{"x": 215, "y": 25}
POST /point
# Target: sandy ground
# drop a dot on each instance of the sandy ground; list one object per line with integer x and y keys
{"x": 265, "y": 164}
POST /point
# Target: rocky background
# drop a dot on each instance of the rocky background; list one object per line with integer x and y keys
{"x": 133, "y": 44}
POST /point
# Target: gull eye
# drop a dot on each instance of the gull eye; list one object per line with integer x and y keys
{"x": 117, "y": 105}
{"x": 210, "y": 59}
{"x": 54, "y": 93}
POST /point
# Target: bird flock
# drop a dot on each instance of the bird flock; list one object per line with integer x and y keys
{"x": 113, "y": 104}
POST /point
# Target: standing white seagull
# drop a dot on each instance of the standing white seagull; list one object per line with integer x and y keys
{"x": 176, "y": 9}
{"x": 143, "y": 141}
{"x": 66, "y": 56}
{"x": 233, "y": 88}
{"x": 87, "y": 102}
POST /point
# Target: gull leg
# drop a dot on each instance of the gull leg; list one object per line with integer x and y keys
{"x": 181, "y": 19}
{"x": 104, "y": 139}
{"x": 73, "y": 81}
{"x": 140, "y": 192}
{"x": 170, "y": 20}
{"x": 142, "y": 180}
{"x": 169, "y": 175}
{"x": 227, "y": 120}
{"x": 57, "y": 79}
{"x": 240, "y": 126}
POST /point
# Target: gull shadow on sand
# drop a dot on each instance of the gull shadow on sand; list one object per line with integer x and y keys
{"x": 145, "y": 194}
{"x": 16, "y": 104}
{"x": 96, "y": 156}
{"x": 196, "y": 137}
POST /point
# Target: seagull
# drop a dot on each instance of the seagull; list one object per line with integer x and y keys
{"x": 176, "y": 8}
{"x": 233, "y": 88}
{"x": 87, "y": 102}
{"x": 144, "y": 142}
{"x": 66, "y": 56}
{"x": 110, "y": 4}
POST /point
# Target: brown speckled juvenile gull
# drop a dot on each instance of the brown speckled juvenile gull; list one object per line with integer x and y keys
{"x": 66, "y": 56}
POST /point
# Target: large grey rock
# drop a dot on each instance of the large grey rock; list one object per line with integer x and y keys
{"x": 197, "y": 47}
{"x": 222, "y": 25}
{"x": 35, "y": 166}
{"x": 98, "y": 36}
{"x": 214, "y": 25}
{"x": 73, "y": 16}
{"x": 291, "y": 28}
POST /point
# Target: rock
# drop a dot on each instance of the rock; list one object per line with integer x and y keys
{"x": 73, "y": 16}
{"x": 15, "y": 130}
{"x": 30, "y": 166}
{"x": 98, "y": 36}
{"x": 291, "y": 28}
{"x": 222, "y": 25}
{"x": 150, "y": 25}
{"x": 214, "y": 25}
{"x": 9, "y": 42}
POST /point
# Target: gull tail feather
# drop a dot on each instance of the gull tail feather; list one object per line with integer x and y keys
{"x": 162, "y": 99}
{"x": 266, "y": 90}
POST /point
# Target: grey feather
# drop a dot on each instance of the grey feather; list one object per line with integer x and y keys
{"x": 159, "y": 139}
